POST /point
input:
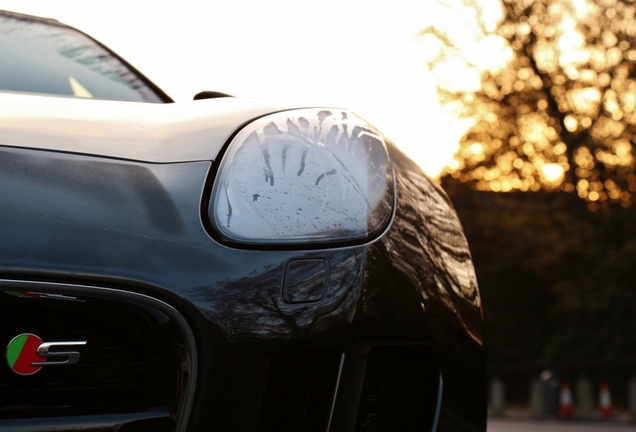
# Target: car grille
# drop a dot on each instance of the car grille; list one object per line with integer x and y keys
{"x": 294, "y": 390}
{"x": 400, "y": 390}
{"x": 299, "y": 391}
{"x": 131, "y": 375}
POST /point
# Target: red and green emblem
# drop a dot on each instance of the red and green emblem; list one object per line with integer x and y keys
{"x": 22, "y": 353}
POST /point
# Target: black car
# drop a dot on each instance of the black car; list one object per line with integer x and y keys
{"x": 221, "y": 265}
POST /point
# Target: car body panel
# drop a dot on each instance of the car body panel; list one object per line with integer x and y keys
{"x": 138, "y": 225}
{"x": 146, "y": 132}
{"x": 104, "y": 198}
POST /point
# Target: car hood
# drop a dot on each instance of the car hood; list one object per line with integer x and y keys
{"x": 160, "y": 133}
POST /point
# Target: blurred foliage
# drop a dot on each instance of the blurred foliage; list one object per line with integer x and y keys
{"x": 550, "y": 89}
{"x": 556, "y": 280}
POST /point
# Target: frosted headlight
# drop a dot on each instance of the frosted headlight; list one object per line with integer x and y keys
{"x": 306, "y": 175}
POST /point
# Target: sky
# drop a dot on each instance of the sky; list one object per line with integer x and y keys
{"x": 359, "y": 54}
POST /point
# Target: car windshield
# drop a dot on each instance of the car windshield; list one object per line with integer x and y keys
{"x": 45, "y": 57}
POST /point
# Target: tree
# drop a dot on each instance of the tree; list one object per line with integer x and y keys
{"x": 556, "y": 284}
{"x": 550, "y": 89}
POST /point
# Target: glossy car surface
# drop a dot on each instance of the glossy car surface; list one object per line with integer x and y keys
{"x": 226, "y": 264}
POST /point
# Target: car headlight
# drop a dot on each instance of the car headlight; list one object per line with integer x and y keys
{"x": 320, "y": 176}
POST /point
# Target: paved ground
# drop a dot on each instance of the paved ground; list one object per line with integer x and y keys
{"x": 526, "y": 425}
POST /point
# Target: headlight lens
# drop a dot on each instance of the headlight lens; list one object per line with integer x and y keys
{"x": 306, "y": 175}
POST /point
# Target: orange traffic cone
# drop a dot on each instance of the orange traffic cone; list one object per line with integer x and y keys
{"x": 605, "y": 400}
{"x": 566, "y": 407}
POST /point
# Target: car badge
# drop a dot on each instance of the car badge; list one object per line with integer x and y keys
{"x": 27, "y": 353}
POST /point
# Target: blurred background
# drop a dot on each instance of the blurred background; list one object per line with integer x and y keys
{"x": 525, "y": 110}
{"x": 544, "y": 184}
